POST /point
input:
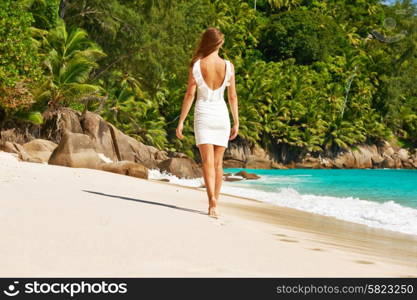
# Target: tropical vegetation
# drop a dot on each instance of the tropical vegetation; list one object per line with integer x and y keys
{"x": 312, "y": 75}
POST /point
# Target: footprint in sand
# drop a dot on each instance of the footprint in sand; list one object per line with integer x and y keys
{"x": 218, "y": 222}
{"x": 289, "y": 241}
{"x": 316, "y": 249}
{"x": 364, "y": 262}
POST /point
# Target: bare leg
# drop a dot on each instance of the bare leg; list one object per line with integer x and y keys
{"x": 207, "y": 158}
{"x": 218, "y": 166}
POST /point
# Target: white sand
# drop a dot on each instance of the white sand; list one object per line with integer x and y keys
{"x": 59, "y": 221}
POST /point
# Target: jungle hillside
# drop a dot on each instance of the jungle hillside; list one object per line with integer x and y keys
{"x": 316, "y": 76}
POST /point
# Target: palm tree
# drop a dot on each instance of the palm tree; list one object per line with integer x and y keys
{"x": 70, "y": 60}
{"x": 133, "y": 112}
{"x": 279, "y": 4}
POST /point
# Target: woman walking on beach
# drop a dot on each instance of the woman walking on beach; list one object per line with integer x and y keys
{"x": 209, "y": 75}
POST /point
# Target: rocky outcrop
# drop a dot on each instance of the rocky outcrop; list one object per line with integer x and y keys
{"x": 102, "y": 139}
{"x": 240, "y": 155}
{"x": 99, "y": 139}
{"x": 233, "y": 178}
{"x": 105, "y": 138}
{"x": 247, "y": 175}
{"x": 345, "y": 160}
{"x": 384, "y": 155}
{"x": 116, "y": 145}
{"x": 16, "y": 148}
{"x": 181, "y": 167}
{"x": 86, "y": 140}
{"x": 126, "y": 168}
{"x": 236, "y": 153}
{"x": 309, "y": 162}
{"x": 75, "y": 139}
{"x": 56, "y": 122}
{"x": 233, "y": 163}
{"x": 255, "y": 162}
{"x": 76, "y": 150}
{"x": 100, "y": 135}
{"x": 39, "y": 149}
{"x": 413, "y": 159}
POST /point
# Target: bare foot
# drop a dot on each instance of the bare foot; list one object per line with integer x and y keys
{"x": 212, "y": 202}
{"x": 213, "y": 212}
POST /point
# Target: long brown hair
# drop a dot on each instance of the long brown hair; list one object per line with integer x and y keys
{"x": 210, "y": 40}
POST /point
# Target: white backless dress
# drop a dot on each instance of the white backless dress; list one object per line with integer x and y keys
{"x": 211, "y": 116}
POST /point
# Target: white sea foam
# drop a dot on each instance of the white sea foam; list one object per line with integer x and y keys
{"x": 388, "y": 215}
{"x": 104, "y": 158}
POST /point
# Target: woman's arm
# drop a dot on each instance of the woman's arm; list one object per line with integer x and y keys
{"x": 186, "y": 103}
{"x": 233, "y": 104}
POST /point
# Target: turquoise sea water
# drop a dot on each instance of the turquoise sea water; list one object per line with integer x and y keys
{"x": 379, "y": 198}
{"x": 378, "y": 185}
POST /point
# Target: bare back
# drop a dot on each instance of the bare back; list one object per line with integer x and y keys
{"x": 213, "y": 71}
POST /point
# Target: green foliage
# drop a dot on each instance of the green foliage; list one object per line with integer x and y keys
{"x": 305, "y": 35}
{"x": 303, "y": 106}
{"x": 130, "y": 109}
{"x": 395, "y": 64}
{"x": 309, "y": 75}
{"x": 281, "y": 4}
{"x": 241, "y": 26}
{"x": 20, "y": 69}
{"x": 70, "y": 60}
{"x": 354, "y": 15}
{"x": 18, "y": 56}
{"x": 34, "y": 117}
{"x": 45, "y": 13}
{"x": 150, "y": 40}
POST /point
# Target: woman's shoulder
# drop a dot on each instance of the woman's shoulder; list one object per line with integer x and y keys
{"x": 231, "y": 66}
{"x": 193, "y": 67}
{"x": 229, "y": 62}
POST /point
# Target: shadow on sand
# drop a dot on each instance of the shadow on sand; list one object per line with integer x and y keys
{"x": 148, "y": 202}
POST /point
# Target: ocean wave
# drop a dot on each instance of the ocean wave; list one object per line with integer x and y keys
{"x": 387, "y": 215}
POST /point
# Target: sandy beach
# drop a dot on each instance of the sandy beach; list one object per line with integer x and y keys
{"x": 67, "y": 222}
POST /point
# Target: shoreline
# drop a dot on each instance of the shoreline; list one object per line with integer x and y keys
{"x": 84, "y": 222}
{"x": 377, "y": 212}
{"x": 274, "y": 215}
